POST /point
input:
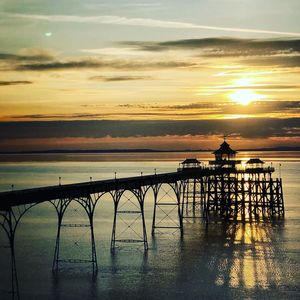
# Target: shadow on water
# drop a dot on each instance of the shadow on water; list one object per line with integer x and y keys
{"x": 66, "y": 283}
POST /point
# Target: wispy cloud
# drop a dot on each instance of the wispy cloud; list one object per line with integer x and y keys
{"x": 197, "y": 105}
{"x": 57, "y": 65}
{"x": 225, "y": 108}
{"x": 189, "y": 111}
{"x": 84, "y": 63}
{"x": 256, "y": 87}
{"x": 120, "y": 78}
{"x": 29, "y": 54}
{"x": 17, "y": 82}
{"x": 117, "y": 51}
{"x": 257, "y": 52}
{"x": 118, "y": 20}
{"x": 283, "y": 53}
{"x": 279, "y": 61}
{"x": 111, "y": 116}
{"x": 215, "y": 47}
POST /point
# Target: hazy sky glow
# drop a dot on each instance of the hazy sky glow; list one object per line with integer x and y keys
{"x": 183, "y": 73}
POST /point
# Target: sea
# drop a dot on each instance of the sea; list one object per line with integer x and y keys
{"x": 221, "y": 260}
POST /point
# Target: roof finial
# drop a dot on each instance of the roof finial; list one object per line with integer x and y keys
{"x": 225, "y": 136}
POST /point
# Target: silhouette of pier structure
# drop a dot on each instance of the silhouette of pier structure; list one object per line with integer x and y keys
{"x": 224, "y": 189}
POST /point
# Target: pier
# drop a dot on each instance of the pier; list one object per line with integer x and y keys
{"x": 225, "y": 189}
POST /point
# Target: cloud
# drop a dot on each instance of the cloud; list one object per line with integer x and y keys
{"x": 56, "y": 65}
{"x": 116, "y": 51}
{"x": 256, "y": 87}
{"x": 197, "y": 105}
{"x": 254, "y": 52}
{"x": 17, "y": 82}
{"x": 223, "y": 108}
{"x": 29, "y": 54}
{"x": 58, "y": 116}
{"x": 107, "y": 116}
{"x": 146, "y": 22}
{"x": 215, "y": 47}
{"x": 278, "y": 61}
{"x": 278, "y": 53}
{"x": 263, "y": 107}
{"x": 195, "y": 110}
{"x": 120, "y": 78}
{"x": 43, "y": 60}
{"x": 247, "y": 128}
{"x": 92, "y": 63}
{"x": 184, "y": 106}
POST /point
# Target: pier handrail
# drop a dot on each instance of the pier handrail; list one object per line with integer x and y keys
{"x": 82, "y": 189}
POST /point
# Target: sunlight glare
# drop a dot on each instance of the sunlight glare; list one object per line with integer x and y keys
{"x": 244, "y": 81}
{"x": 245, "y": 97}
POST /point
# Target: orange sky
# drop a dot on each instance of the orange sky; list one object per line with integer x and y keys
{"x": 115, "y": 63}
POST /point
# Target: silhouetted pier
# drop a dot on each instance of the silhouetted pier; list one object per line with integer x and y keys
{"x": 224, "y": 189}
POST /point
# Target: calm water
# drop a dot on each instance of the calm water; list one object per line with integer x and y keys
{"x": 227, "y": 261}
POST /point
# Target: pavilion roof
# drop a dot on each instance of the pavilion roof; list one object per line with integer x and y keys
{"x": 225, "y": 149}
{"x": 191, "y": 161}
{"x": 254, "y": 161}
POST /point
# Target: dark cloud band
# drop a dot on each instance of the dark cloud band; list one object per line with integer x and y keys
{"x": 257, "y": 46}
{"x": 245, "y": 127}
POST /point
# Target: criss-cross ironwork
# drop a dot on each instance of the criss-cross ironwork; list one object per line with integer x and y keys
{"x": 132, "y": 206}
{"x": 167, "y": 199}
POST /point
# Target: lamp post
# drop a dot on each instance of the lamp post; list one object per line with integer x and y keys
{"x": 279, "y": 170}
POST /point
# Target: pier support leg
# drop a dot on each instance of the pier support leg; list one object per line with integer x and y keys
{"x": 88, "y": 203}
{"x": 168, "y": 198}
{"x": 125, "y": 206}
{"x": 9, "y": 220}
{"x": 113, "y": 234}
{"x": 155, "y": 192}
{"x": 280, "y": 198}
{"x": 192, "y": 198}
{"x": 205, "y": 198}
{"x": 60, "y": 207}
{"x": 9, "y": 225}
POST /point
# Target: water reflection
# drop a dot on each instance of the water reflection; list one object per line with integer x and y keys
{"x": 231, "y": 257}
{"x": 218, "y": 261}
{"x": 223, "y": 260}
{"x": 66, "y": 284}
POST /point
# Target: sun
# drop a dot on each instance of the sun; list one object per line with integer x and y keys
{"x": 245, "y": 97}
{"x": 242, "y": 91}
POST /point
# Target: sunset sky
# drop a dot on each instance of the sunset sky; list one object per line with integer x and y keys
{"x": 149, "y": 74}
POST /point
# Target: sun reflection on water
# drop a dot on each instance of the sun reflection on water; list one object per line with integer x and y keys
{"x": 252, "y": 267}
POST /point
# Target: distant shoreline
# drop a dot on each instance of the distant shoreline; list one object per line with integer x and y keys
{"x": 111, "y": 151}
